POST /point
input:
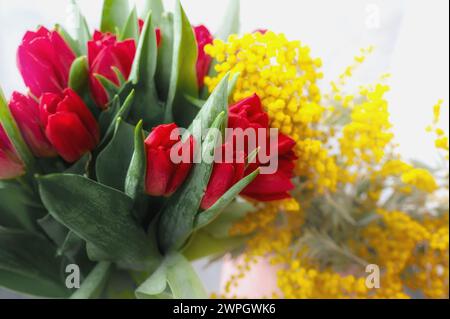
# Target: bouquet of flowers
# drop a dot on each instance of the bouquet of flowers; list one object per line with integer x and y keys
{"x": 152, "y": 143}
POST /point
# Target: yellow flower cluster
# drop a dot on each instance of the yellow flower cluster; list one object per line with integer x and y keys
{"x": 284, "y": 75}
{"x": 345, "y": 148}
{"x": 442, "y": 141}
{"x": 431, "y": 263}
{"x": 393, "y": 240}
{"x": 365, "y": 138}
{"x": 298, "y": 281}
{"x": 421, "y": 179}
{"x": 410, "y": 176}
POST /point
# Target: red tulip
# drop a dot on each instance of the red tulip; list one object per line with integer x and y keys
{"x": 69, "y": 125}
{"x": 203, "y": 37}
{"x": 10, "y": 164}
{"x": 164, "y": 176}
{"x": 44, "y": 60}
{"x": 25, "y": 111}
{"x": 104, "y": 53}
{"x": 249, "y": 113}
{"x": 271, "y": 187}
{"x": 224, "y": 176}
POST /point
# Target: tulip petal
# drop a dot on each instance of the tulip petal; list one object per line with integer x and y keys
{"x": 69, "y": 136}
{"x": 74, "y": 104}
{"x": 26, "y": 113}
{"x": 222, "y": 179}
{"x": 159, "y": 171}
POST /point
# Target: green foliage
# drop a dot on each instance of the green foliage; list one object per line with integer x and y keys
{"x": 113, "y": 162}
{"x": 28, "y": 264}
{"x": 165, "y": 56}
{"x": 131, "y": 27}
{"x": 135, "y": 180}
{"x": 183, "y": 77}
{"x": 174, "y": 278}
{"x": 83, "y": 35}
{"x": 94, "y": 284}
{"x": 156, "y": 7}
{"x": 147, "y": 106}
{"x": 114, "y": 16}
{"x": 207, "y": 217}
{"x": 231, "y": 21}
{"x": 101, "y": 216}
{"x": 79, "y": 82}
{"x": 178, "y": 216}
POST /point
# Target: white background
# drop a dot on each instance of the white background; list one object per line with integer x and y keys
{"x": 412, "y": 43}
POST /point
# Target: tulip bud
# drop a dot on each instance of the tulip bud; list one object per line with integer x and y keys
{"x": 203, "y": 37}
{"x": 44, "y": 60}
{"x": 249, "y": 114}
{"x": 272, "y": 187}
{"x": 104, "y": 53}
{"x": 25, "y": 111}
{"x": 10, "y": 164}
{"x": 164, "y": 176}
{"x": 69, "y": 125}
{"x": 224, "y": 176}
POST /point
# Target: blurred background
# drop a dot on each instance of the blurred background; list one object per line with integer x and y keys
{"x": 411, "y": 38}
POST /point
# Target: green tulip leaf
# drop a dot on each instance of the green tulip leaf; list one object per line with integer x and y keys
{"x": 114, "y": 16}
{"x": 95, "y": 282}
{"x": 131, "y": 27}
{"x": 230, "y": 25}
{"x": 234, "y": 212}
{"x": 232, "y": 85}
{"x": 204, "y": 245}
{"x": 165, "y": 56}
{"x": 147, "y": 106}
{"x": 113, "y": 162}
{"x": 120, "y": 77}
{"x": 177, "y": 219}
{"x": 207, "y": 217}
{"x": 28, "y": 264}
{"x": 79, "y": 82}
{"x": 71, "y": 245}
{"x": 109, "y": 118}
{"x": 175, "y": 278}
{"x": 231, "y": 21}
{"x": 71, "y": 42}
{"x": 183, "y": 80}
{"x": 135, "y": 178}
{"x": 17, "y": 209}
{"x": 156, "y": 7}
{"x": 81, "y": 167}
{"x": 111, "y": 88}
{"x": 216, "y": 104}
{"x": 100, "y": 215}
{"x": 83, "y": 35}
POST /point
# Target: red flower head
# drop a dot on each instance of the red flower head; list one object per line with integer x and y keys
{"x": 224, "y": 176}
{"x": 204, "y": 38}
{"x": 25, "y": 111}
{"x": 104, "y": 53}
{"x": 69, "y": 125}
{"x": 10, "y": 164}
{"x": 164, "y": 176}
{"x": 44, "y": 60}
{"x": 271, "y": 187}
{"x": 249, "y": 113}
